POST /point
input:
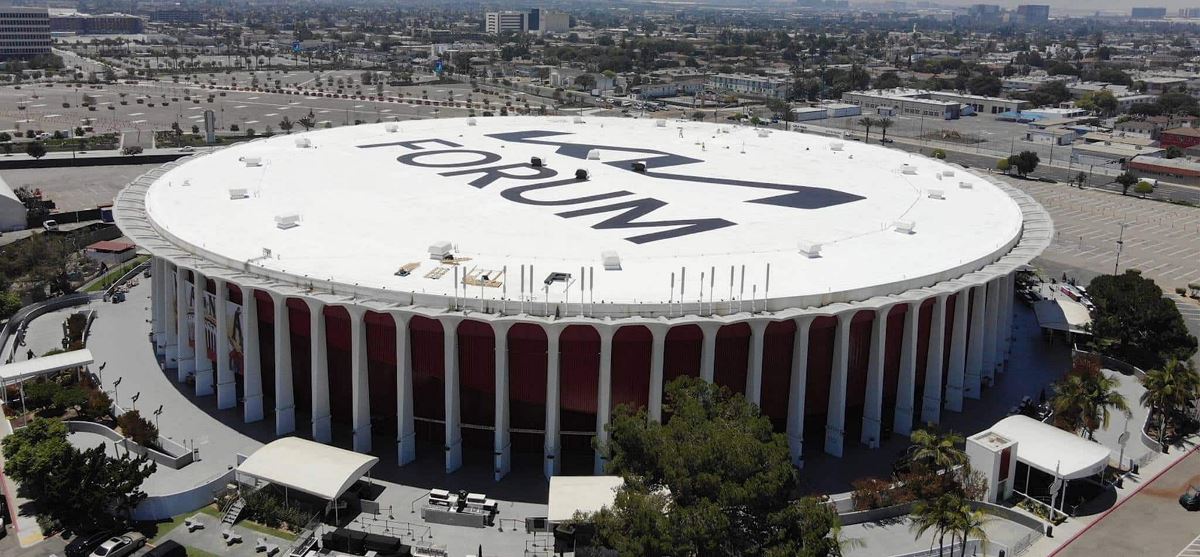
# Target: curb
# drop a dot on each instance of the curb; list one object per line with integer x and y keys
{"x": 1123, "y": 501}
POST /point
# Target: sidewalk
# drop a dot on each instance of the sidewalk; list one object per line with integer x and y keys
{"x": 25, "y": 526}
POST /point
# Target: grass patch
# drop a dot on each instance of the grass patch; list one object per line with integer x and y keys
{"x": 162, "y": 528}
{"x": 213, "y": 511}
{"x": 114, "y": 274}
{"x": 193, "y": 552}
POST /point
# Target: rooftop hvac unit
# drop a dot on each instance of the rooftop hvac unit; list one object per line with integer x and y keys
{"x": 611, "y": 261}
{"x": 764, "y": 133}
{"x": 186, "y": 183}
{"x": 303, "y": 142}
{"x": 536, "y": 162}
{"x": 837, "y": 146}
{"x": 965, "y": 185}
{"x": 811, "y": 250}
{"x": 593, "y": 155}
{"x": 936, "y": 194}
{"x": 556, "y": 277}
{"x": 660, "y": 123}
{"x": 582, "y": 174}
{"x": 578, "y": 120}
{"x": 287, "y": 220}
{"x": 470, "y": 121}
{"x": 908, "y": 169}
{"x": 905, "y": 226}
{"x": 639, "y": 166}
{"x": 238, "y": 193}
{"x": 391, "y": 128}
{"x": 948, "y": 173}
{"x": 441, "y": 250}
{"x": 252, "y": 161}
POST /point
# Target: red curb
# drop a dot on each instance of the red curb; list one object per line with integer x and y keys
{"x": 1123, "y": 501}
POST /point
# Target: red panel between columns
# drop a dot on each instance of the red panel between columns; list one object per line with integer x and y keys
{"x": 428, "y": 378}
{"x": 477, "y": 381}
{"x": 733, "y": 351}
{"x": 631, "y": 366}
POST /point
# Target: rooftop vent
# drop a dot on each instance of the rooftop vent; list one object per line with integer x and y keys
{"x": 287, "y": 220}
{"x": 905, "y": 226}
{"x": 811, "y": 250}
{"x": 441, "y": 250}
{"x": 611, "y": 261}
{"x": 660, "y": 123}
{"x": 639, "y": 166}
{"x": 303, "y": 142}
{"x": 936, "y": 194}
{"x": 948, "y": 173}
{"x": 470, "y": 121}
{"x": 908, "y": 169}
{"x": 238, "y": 193}
{"x": 252, "y": 161}
{"x": 763, "y": 133}
{"x": 556, "y": 277}
{"x": 582, "y": 174}
{"x": 578, "y": 120}
{"x": 536, "y": 162}
{"x": 965, "y": 185}
{"x": 391, "y": 128}
{"x": 186, "y": 183}
{"x": 593, "y": 155}
{"x": 837, "y": 146}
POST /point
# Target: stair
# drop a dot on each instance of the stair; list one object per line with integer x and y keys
{"x": 232, "y": 513}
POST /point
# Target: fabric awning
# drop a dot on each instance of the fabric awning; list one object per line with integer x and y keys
{"x": 1053, "y": 450}
{"x": 1062, "y": 315}
{"x": 314, "y": 468}
{"x": 585, "y": 494}
{"x": 45, "y": 365}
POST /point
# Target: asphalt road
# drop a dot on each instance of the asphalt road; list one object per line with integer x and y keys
{"x": 1150, "y": 523}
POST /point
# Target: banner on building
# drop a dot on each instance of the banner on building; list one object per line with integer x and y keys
{"x": 210, "y": 325}
{"x": 233, "y": 316}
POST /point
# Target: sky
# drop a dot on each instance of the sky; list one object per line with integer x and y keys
{"x": 1077, "y": 5}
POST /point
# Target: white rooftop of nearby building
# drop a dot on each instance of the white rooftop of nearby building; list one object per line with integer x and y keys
{"x": 582, "y": 494}
{"x": 356, "y": 204}
{"x": 1053, "y": 450}
{"x": 314, "y": 468}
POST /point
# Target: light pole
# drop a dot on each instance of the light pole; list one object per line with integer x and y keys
{"x": 116, "y": 394}
{"x": 1120, "y": 244}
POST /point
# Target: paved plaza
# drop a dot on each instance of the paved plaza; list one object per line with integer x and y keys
{"x": 76, "y": 188}
{"x": 895, "y": 536}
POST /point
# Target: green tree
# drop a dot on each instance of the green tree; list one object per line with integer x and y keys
{"x": 1143, "y": 188}
{"x": 1084, "y": 400}
{"x": 134, "y": 426}
{"x": 884, "y": 124}
{"x": 887, "y": 80}
{"x": 1170, "y": 390}
{"x": 1003, "y": 165}
{"x": 867, "y": 122}
{"x": 286, "y": 124}
{"x": 969, "y": 523}
{"x": 937, "y": 518}
{"x": 34, "y": 452}
{"x": 1127, "y": 180}
{"x": 35, "y": 149}
{"x": 728, "y": 475}
{"x": 1135, "y": 323}
{"x": 1024, "y": 162}
{"x": 937, "y": 452}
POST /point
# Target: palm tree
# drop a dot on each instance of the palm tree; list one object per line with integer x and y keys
{"x": 1085, "y": 400}
{"x": 937, "y": 452}
{"x": 968, "y": 523}
{"x": 938, "y": 517}
{"x": 1169, "y": 390}
{"x": 884, "y": 124}
{"x": 867, "y": 122}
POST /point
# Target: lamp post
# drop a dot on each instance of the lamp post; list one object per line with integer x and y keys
{"x": 1120, "y": 244}
{"x": 116, "y": 394}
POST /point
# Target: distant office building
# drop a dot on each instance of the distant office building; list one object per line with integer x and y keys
{"x": 107, "y": 24}
{"x": 904, "y": 102}
{"x": 24, "y": 32}
{"x": 750, "y": 85}
{"x": 985, "y": 12}
{"x": 550, "y": 22}
{"x": 535, "y": 19}
{"x": 1190, "y": 13}
{"x": 506, "y": 22}
{"x": 1148, "y": 13}
{"x": 178, "y": 16}
{"x": 1033, "y": 13}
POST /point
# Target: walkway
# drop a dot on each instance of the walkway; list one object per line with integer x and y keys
{"x": 895, "y": 537}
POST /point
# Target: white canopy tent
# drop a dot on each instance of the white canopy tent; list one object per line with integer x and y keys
{"x": 317, "y": 469}
{"x": 586, "y": 494}
{"x": 1062, "y": 315}
{"x": 45, "y": 365}
{"x": 1052, "y": 450}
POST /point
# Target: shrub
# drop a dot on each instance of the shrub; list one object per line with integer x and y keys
{"x": 97, "y": 406}
{"x": 135, "y": 427}
{"x": 871, "y": 493}
{"x": 70, "y": 397}
{"x": 939, "y": 154}
{"x": 1143, "y": 188}
{"x": 1181, "y": 291}
{"x": 40, "y": 394}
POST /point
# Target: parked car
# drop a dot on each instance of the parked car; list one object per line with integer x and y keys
{"x": 168, "y": 548}
{"x": 120, "y": 546}
{"x": 1190, "y": 498}
{"x": 83, "y": 545}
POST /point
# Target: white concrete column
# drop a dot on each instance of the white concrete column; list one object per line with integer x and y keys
{"x": 360, "y": 384}
{"x": 931, "y": 406}
{"x": 552, "y": 465}
{"x": 902, "y": 420}
{"x": 873, "y": 407}
{"x": 835, "y": 421}
{"x": 708, "y": 350}
{"x": 285, "y": 406}
{"x": 503, "y": 443}
{"x": 797, "y": 390}
{"x": 252, "y": 393}
{"x": 958, "y": 353}
{"x": 451, "y": 405}
{"x": 991, "y": 329}
{"x": 226, "y": 382}
{"x": 1006, "y": 319}
{"x": 322, "y": 419}
{"x": 158, "y": 304}
{"x": 975, "y": 342}
{"x": 604, "y": 397}
{"x": 658, "y": 348}
{"x": 754, "y": 363}
{"x": 203, "y": 366}
{"x": 406, "y": 434}
{"x": 184, "y": 354}
{"x": 170, "y": 319}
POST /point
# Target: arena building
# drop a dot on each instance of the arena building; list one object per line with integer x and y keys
{"x": 503, "y": 283}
